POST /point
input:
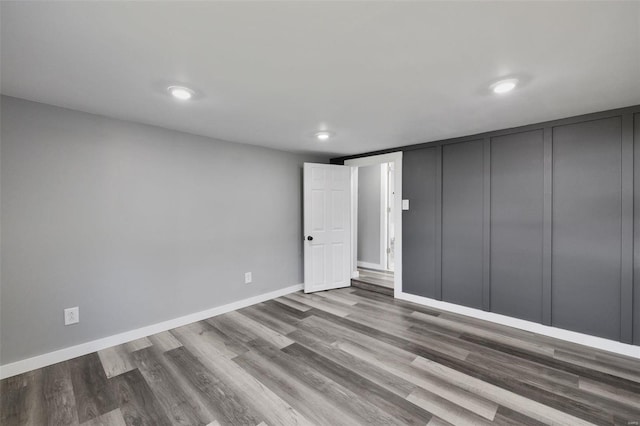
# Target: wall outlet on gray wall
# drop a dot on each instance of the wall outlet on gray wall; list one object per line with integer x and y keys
{"x": 247, "y": 277}
{"x": 71, "y": 315}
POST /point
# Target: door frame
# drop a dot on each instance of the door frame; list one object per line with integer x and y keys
{"x": 384, "y": 215}
{"x": 387, "y": 214}
{"x": 396, "y": 158}
{"x": 384, "y": 203}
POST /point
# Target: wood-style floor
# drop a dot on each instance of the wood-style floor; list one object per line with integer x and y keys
{"x": 343, "y": 357}
{"x": 378, "y": 281}
{"x": 380, "y": 278}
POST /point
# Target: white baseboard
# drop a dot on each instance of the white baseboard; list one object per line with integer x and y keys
{"x": 376, "y": 266}
{"x": 71, "y": 352}
{"x": 534, "y": 327}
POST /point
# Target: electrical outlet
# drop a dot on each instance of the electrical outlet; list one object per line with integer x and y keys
{"x": 72, "y": 315}
{"x": 247, "y": 277}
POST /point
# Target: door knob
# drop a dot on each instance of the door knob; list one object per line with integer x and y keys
{"x": 309, "y": 238}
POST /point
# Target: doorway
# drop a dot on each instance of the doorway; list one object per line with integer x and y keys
{"x": 375, "y": 250}
{"x": 377, "y": 222}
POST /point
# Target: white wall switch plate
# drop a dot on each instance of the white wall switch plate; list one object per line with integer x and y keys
{"x": 72, "y": 315}
{"x": 405, "y": 204}
{"x": 247, "y": 277}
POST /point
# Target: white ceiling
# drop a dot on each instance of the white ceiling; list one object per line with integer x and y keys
{"x": 378, "y": 74}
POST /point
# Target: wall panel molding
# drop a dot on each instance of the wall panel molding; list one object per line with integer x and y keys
{"x": 486, "y": 224}
{"x": 626, "y": 263}
{"x": 547, "y": 226}
{"x": 596, "y": 267}
{"x": 438, "y": 239}
{"x": 420, "y": 187}
{"x": 462, "y": 223}
{"x": 516, "y": 224}
{"x": 587, "y": 218}
{"x": 636, "y": 230}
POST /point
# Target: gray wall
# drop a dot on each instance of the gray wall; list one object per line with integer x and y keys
{"x": 369, "y": 188}
{"x": 536, "y": 222}
{"x": 636, "y": 227}
{"x": 462, "y": 197}
{"x": 517, "y": 172}
{"x": 420, "y": 183}
{"x": 586, "y": 221}
{"x": 134, "y": 224}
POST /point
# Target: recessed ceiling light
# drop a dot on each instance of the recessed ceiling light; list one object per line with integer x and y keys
{"x": 180, "y": 92}
{"x": 323, "y": 136}
{"x": 504, "y": 86}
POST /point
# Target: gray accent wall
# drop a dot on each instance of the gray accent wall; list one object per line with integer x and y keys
{"x": 587, "y": 227}
{"x": 134, "y": 224}
{"x": 420, "y": 185}
{"x": 517, "y": 190}
{"x": 369, "y": 187}
{"x": 462, "y": 216}
{"x": 636, "y": 230}
{"x": 540, "y": 222}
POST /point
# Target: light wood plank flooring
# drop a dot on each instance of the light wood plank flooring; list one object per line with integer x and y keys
{"x": 381, "y": 278}
{"x": 343, "y": 357}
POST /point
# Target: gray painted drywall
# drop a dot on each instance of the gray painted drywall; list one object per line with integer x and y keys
{"x": 586, "y": 227}
{"x": 420, "y": 187}
{"x": 134, "y": 224}
{"x": 462, "y": 218}
{"x": 557, "y": 238}
{"x": 369, "y": 198}
{"x": 636, "y": 229}
{"x": 516, "y": 224}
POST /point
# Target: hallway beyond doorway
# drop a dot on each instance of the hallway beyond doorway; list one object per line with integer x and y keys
{"x": 374, "y": 280}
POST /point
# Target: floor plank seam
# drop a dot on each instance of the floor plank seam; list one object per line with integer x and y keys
{"x": 348, "y": 356}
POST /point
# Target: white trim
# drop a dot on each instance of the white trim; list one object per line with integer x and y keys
{"x": 369, "y": 265}
{"x": 558, "y": 333}
{"x": 384, "y": 183}
{"x": 391, "y": 214}
{"x": 354, "y": 222}
{"x": 65, "y": 354}
{"x": 396, "y": 158}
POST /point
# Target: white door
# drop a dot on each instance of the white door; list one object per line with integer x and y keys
{"x": 327, "y": 227}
